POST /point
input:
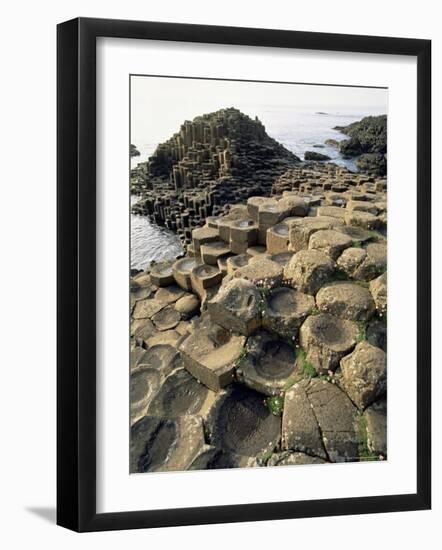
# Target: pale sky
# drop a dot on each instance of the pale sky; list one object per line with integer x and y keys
{"x": 160, "y": 105}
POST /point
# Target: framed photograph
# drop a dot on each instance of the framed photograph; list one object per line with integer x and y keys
{"x": 233, "y": 204}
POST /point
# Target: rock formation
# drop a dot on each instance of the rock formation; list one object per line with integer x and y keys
{"x": 265, "y": 345}
{"x": 368, "y": 142}
{"x": 217, "y": 159}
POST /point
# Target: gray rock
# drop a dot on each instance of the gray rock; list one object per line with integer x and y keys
{"x": 378, "y": 288}
{"x": 308, "y": 270}
{"x": 286, "y": 310}
{"x": 240, "y": 423}
{"x": 166, "y": 319}
{"x": 326, "y": 339}
{"x": 364, "y": 374}
{"x": 336, "y": 416}
{"x": 181, "y": 394}
{"x": 188, "y": 306}
{"x": 301, "y": 230}
{"x": 346, "y": 300}
{"x": 267, "y": 365}
{"x": 300, "y": 430}
{"x": 261, "y": 272}
{"x": 165, "y": 444}
{"x": 236, "y": 306}
{"x": 330, "y": 242}
{"x": 376, "y": 420}
{"x": 210, "y": 353}
{"x": 144, "y": 384}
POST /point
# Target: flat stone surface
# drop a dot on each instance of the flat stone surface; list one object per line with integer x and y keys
{"x": 378, "y": 289}
{"x": 165, "y": 444}
{"x": 210, "y": 352}
{"x": 234, "y": 262}
{"x": 211, "y": 252}
{"x": 326, "y": 339}
{"x": 362, "y": 206}
{"x": 170, "y": 337}
{"x": 203, "y": 235}
{"x": 180, "y": 394}
{"x": 286, "y": 310}
{"x": 308, "y": 270}
{"x": 166, "y": 319}
{"x": 282, "y": 258}
{"x": 240, "y": 423}
{"x": 376, "y": 420}
{"x": 162, "y": 357}
{"x": 361, "y": 219}
{"x": 236, "y": 306}
{"x": 267, "y": 364}
{"x": 330, "y": 242}
{"x": 364, "y": 374}
{"x": 357, "y": 234}
{"x": 346, "y": 300}
{"x": 300, "y": 430}
{"x": 336, "y": 416}
{"x": 333, "y": 211}
{"x": 277, "y": 239}
{"x": 169, "y": 294}
{"x": 145, "y": 309}
{"x": 161, "y": 274}
{"x": 261, "y": 272}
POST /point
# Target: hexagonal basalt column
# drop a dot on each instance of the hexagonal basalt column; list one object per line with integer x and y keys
{"x": 253, "y": 204}
{"x": 182, "y": 270}
{"x": 286, "y": 310}
{"x": 235, "y": 262}
{"x": 326, "y": 339}
{"x": 364, "y": 374}
{"x": 308, "y": 270}
{"x": 161, "y": 274}
{"x": 301, "y": 230}
{"x": 267, "y": 365}
{"x": 212, "y": 252}
{"x": 181, "y": 394}
{"x": 346, "y": 300}
{"x": 159, "y": 444}
{"x": 237, "y": 307}
{"x": 204, "y": 276}
{"x": 330, "y": 242}
{"x": 203, "y": 235}
{"x": 261, "y": 271}
{"x": 240, "y": 423}
{"x": 277, "y": 239}
{"x": 210, "y": 353}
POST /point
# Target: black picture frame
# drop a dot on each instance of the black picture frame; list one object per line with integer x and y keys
{"x": 76, "y": 274}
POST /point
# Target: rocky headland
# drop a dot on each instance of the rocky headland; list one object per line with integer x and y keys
{"x": 368, "y": 143}
{"x": 265, "y": 345}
